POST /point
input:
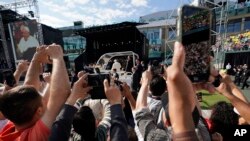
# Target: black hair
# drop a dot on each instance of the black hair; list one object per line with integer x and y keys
{"x": 131, "y": 134}
{"x": 222, "y": 118}
{"x": 157, "y": 85}
{"x": 84, "y": 123}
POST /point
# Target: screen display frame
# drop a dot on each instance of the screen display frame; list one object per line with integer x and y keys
{"x": 203, "y": 74}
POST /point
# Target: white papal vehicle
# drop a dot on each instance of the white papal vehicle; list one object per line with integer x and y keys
{"x": 124, "y": 76}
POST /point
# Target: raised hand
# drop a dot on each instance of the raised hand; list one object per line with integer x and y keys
{"x": 80, "y": 90}
{"x": 112, "y": 93}
{"x": 46, "y": 77}
{"x": 54, "y": 51}
{"x": 181, "y": 93}
{"x": 125, "y": 90}
{"x": 146, "y": 76}
{"x": 23, "y": 66}
{"x": 41, "y": 55}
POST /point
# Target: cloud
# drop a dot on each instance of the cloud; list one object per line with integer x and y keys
{"x": 109, "y": 14}
{"x": 91, "y": 13}
{"x": 103, "y": 2}
{"x": 139, "y": 3}
{"x": 96, "y": 15}
{"x": 74, "y": 3}
{"x": 54, "y": 21}
{"x": 123, "y": 4}
{"x": 53, "y": 6}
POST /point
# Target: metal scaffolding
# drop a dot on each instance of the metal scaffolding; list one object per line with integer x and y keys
{"x": 220, "y": 7}
{"x": 170, "y": 41}
{"x": 31, "y": 4}
{"x": 32, "y": 12}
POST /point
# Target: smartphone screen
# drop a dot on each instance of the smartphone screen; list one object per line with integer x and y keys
{"x": 96, "y": 81}
{"x": 195, "y": 34}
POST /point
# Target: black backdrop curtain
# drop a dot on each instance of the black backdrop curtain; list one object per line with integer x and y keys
{"x": 236, "y": 59}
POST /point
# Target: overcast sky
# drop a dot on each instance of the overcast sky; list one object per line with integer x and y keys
{"x": 59, "y": 13}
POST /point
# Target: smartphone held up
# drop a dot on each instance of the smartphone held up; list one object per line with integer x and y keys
{"x": 194, "y": 25}
{"x": 96, "y": 82}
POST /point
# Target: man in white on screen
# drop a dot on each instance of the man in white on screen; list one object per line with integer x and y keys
{"x": 27, "y": 41}
{"x": 116, "y": 66}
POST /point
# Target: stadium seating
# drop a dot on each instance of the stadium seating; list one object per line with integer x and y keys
{"x": 238, "y": 42}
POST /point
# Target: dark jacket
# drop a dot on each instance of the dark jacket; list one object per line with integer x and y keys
{"x": 61, "y": 128}
{"x": 119, "y": 129}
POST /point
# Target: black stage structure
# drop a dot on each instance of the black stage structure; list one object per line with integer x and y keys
{"x": 236, "y": 58}
{"x": 8, "y": 16}
{"x": 111, "y": 38}
{"x": 50, "y": 35}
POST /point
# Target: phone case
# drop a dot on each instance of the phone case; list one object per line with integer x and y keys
{"x": 179, "y": 20}
{"x": 195, "y": 78}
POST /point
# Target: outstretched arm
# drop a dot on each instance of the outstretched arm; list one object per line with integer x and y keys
{"x": 127, "y": 93}
{"x": 141, "y": 101}
{"x": 21, "y": 68}
{"x": 61, "y": 127}
{"x": 181, "y": 97}
{"x": 59, "y": 87}
{"x": 143, "y": 117}
{"x": 32, "y": 76}
{"x": 241, "y": 106}
{"x": 119, "y": 129}
{"x": 235, "y": 90}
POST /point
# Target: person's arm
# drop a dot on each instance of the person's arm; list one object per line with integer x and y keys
{"x": 119, "y": 129}
{"x": 148, "y": 127}
{"x": 235, "y": 90}
{"x": 181, "y": 97}
{"x": 241, "y": 106}
{"x": 21, "y": 68}
{"x": 61, "y": 128}
{"x": 141, "y": 101}
{"x": 127, "y": 93}
{"x": 144, "y": 118}
{"x": 46, "y": 90}
{"x": 59, "y": 87}
{"x": 106, "y": 120}
{"x": 32, "y": 76}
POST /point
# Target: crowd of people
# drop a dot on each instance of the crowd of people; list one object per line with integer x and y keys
{"x": 238, "y": 42}
{"x": 197, "y": 54}
{"x": 162, "y": 107}
{"x": 241, "y": 74}
{"x": 196, "y": 21}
